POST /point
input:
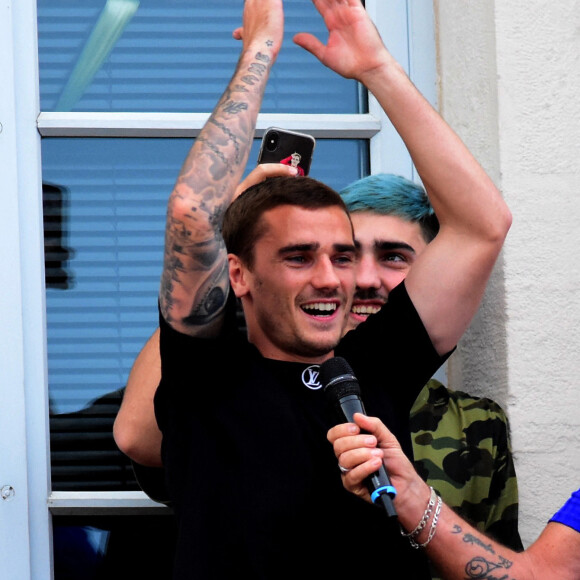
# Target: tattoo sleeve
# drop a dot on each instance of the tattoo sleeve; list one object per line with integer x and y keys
{"x": 195, "y": 284}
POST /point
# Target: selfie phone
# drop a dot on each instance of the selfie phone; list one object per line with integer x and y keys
{"x": 287, "y": 147}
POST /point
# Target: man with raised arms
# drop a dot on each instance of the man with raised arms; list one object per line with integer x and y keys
{"x": 252, "y": 480}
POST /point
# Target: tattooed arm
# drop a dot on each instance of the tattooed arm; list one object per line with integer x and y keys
{"x": 135, "y": 429}
{"x": 458, "y": 550}
{"x": 194, "y": 284}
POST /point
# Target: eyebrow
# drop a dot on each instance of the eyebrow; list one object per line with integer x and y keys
{"x": 313, "y": 247}
{"x": 385, "y": 245}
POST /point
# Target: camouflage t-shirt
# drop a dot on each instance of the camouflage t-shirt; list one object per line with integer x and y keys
{"x": 462, "y": 448}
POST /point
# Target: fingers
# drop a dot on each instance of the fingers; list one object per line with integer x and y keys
{"x": 349, "y": 443}
{"x": 238, "y": 33}
{"x": 310, "y": 43}
{"x": 376, "y": 427}
{"x": 355, "y": 451}
{"x": 354, "y": 480}
{"x": 342, "y": 430}
{"x": 266, "y": 170}
{"x": 357, "y": 456}
{"x": 262, "y": 172}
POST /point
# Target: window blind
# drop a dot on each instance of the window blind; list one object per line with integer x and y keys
{"x": 172, "y": 56}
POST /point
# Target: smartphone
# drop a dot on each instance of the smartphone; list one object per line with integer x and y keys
{"x": 288, "y": 147}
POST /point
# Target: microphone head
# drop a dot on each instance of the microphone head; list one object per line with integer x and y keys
{"x": 338, "y": 380}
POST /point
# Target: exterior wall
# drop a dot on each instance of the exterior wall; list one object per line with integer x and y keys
{"x": 509, "y": 84}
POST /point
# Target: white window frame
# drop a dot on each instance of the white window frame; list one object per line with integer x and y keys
{"x": 26, "y": 502}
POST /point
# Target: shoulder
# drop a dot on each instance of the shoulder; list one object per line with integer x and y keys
{"x": 437, "y": 399}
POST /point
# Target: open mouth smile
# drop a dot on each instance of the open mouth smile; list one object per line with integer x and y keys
{"x": 320, "y": 308}
{"x": 365, "y": 309}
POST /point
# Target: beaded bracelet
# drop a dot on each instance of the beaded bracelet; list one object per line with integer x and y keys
{"x": 425, "y": 517}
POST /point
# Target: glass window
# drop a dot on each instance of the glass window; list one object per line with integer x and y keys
{"x": 172, "y": 56}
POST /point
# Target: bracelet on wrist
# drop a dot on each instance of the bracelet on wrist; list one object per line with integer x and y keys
{"x": 432, "y": 529}
{"x": 425, "y": 518}
{"x": 433, "y": 499}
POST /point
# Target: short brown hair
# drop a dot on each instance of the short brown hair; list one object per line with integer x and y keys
{"x": 243, "y": 225}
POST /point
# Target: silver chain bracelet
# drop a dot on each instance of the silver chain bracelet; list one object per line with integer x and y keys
{"x": 433, "y": 527}
{"x": 425, "y": 518}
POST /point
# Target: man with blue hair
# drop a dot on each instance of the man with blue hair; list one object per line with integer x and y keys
{"x": 460, "y": 443}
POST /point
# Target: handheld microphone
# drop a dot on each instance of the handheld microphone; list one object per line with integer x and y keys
{"x": 343, "y": 391}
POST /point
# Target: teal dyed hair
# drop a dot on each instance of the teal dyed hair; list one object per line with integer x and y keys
{"x": 388, "y": 194}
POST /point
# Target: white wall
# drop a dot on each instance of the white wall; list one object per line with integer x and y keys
{"x": 510, "y": 85}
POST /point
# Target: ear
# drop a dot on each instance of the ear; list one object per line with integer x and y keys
{"x": 239, "y": 276}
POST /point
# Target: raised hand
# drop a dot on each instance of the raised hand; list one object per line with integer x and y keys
{"x": 263, "y": 21}
{"x": 354, "y": 47}
{"x": 262, "y": 172}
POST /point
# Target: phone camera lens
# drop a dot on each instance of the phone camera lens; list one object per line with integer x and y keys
{"x": 272, "y": 141}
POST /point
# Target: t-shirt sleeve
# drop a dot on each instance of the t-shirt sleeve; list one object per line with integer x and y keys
{"x": 176, "y": 347}
{"x": 185, "y": 365}
{"x": 569, "y": 513}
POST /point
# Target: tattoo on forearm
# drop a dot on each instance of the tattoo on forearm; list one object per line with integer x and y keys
{"x": 471, "y": 539}
{"x": 479, "y": 567}
{"x": 233, "y": 138}
{"x": 234, "y": 107}
{"x": 225, "y": 164}
{"x": 250, "y": 80}
{"x": 257, "y": 68}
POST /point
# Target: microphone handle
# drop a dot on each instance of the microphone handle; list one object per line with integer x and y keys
{"x": 379, "y": 484}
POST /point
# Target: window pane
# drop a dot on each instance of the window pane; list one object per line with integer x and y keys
{"x": 105, "y": 203}
{"x": 172, "y": 56}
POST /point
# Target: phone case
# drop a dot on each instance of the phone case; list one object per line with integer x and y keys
{"x": 288, "y": 147}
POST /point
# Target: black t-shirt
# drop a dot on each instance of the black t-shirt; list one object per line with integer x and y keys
{"x": 254, "y": 482}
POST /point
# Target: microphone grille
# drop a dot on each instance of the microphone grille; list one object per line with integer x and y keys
{"x": 337, "y": 378}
